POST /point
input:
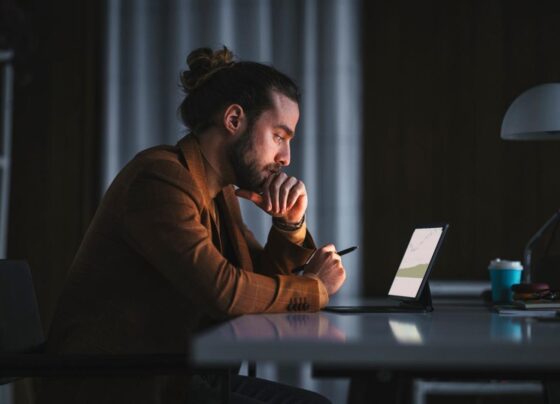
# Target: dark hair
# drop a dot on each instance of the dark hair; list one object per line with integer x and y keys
{"x": 214, "y": 81}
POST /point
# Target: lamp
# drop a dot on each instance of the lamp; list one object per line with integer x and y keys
{"x": 528, "y": 252}
{"x": 534, "y": 115}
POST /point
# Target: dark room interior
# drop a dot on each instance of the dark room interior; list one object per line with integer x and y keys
{"x": 436, "y": 80}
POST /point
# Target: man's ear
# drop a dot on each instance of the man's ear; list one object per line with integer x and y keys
{"x": 234, "y": 119}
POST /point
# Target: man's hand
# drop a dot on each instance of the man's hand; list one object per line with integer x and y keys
{"x": 327, "y": 265}
{"x": 283, "y": 197}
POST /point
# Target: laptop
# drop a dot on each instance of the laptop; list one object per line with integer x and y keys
{"x": 409, "y": 292}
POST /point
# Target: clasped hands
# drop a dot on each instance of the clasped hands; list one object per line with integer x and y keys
{"x": 285, "y": 197}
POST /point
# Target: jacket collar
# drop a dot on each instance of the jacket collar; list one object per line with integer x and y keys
{"x": 190, "y": 148}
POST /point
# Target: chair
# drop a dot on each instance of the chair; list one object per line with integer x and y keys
{"x": 20, "y": 326}
{"x": 22, "y": 340}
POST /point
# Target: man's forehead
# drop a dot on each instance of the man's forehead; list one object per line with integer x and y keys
{"x": 281, "y": 100}
{"x": 285, "y": 112}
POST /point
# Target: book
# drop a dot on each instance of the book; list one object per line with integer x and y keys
{"x": 519, "y": 312}
{"x": 537, "y": 304}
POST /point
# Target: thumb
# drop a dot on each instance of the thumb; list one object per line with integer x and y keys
{"x": 251, "y": 196}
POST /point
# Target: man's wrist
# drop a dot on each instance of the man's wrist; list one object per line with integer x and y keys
{"x": 286, "y": 226}
{"x": 323, "y": 292}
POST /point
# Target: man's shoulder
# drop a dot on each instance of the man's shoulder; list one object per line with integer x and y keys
{"x": 160, "y": 174}
{"x": 154, "y": 168}
{"x": 160, "y": 161}
{"x": 159, "y": 154}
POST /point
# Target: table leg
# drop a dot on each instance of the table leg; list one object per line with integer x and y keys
{"x": 552, "y": 391}
{"x": 382, "y": 387}
{"x": 226, "y": 386}
{"x": 252, "y": 369}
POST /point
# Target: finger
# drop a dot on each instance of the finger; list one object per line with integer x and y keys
{"x": 285, "y": 191}
{"x": 275, "y": 191}
{"x": 296, "y": 191}
{"x": 251, "y": 196}
{"x": 334, "y": 258}
{"x": 328, "y": 247}
{"x": 343, "y": 273}
{"x": 266, "y": 193}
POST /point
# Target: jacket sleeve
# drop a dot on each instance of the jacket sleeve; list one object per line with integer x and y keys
{"x": 281, "y": 254}
{"x": 162, "y": 222}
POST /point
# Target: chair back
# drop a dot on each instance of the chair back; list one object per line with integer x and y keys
{"x": 20, "y": 324}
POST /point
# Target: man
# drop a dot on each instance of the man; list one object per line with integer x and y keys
{"x": 167, "y": 252}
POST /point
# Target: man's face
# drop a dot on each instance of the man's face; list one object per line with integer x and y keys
{"x": 264, "y": 148}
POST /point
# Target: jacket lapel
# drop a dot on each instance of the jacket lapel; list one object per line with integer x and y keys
{"x": 229, "y": 205}
{"x": 191, "y": 153}
{"x": 234, "y": 223}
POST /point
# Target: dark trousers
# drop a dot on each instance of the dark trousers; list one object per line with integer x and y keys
{"x": 171, "y": 389}
{"x": 252, "y": 390}
{"x": 380, "y": 388}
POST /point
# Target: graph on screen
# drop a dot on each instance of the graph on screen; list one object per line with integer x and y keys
{"x": 415, "y": 262}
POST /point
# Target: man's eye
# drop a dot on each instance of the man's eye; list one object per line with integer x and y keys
{"x": 279, "y": 138}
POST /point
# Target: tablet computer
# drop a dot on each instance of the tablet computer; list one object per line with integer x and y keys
{"x": 409, "y": 289}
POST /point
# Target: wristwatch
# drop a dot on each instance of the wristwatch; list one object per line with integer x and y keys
{"x": 282, "y": 225}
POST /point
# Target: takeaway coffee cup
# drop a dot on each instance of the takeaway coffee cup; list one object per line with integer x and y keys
{"x": 504, "y": 274}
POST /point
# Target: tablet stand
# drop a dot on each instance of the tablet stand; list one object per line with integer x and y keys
{"x": 424, "y": 303}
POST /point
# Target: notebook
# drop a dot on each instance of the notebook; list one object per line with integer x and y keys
{"x": 409, "y": 291}
{"x": 537, "y": 304}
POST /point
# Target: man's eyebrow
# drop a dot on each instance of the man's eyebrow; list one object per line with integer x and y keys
{"x": 285, "y": 129}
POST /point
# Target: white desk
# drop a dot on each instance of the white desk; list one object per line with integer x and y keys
{"x": 455, "y": 337}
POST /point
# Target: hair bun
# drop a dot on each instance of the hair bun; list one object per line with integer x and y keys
{"x": 202, "y": 63}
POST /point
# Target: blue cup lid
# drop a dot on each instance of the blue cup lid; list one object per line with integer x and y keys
{"x": 505, "y": 264}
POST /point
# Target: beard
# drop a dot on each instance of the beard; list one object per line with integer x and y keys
{"x": 249, "y": 174}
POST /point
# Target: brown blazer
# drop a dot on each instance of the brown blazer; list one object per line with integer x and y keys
{"x": 148, "y": 272}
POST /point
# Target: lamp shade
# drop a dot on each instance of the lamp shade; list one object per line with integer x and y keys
{"x": 534, "y": 115}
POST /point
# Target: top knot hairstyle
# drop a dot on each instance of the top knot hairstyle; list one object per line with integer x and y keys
{"x": 214, "y": 81}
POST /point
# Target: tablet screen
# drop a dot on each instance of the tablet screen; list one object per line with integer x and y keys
{"x": 416, "y": 262}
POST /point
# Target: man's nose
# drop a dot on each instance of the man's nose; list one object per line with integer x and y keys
{"x": 283, "y": 157}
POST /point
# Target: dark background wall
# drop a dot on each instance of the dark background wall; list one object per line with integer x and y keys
{"x": 56, "y": 136}
{"x": 439, "y": 76}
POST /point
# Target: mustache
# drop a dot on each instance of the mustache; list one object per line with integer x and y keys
{"x": 274, "y": 168}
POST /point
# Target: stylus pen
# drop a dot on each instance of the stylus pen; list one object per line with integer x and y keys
{"x": 341, "y": 253}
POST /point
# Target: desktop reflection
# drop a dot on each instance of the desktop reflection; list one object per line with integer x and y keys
{"x": 282, "y": 326}
{"x": 511, "y": 329}
{"x": 410, "y": 331}
{"x": 405, "y": 332}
